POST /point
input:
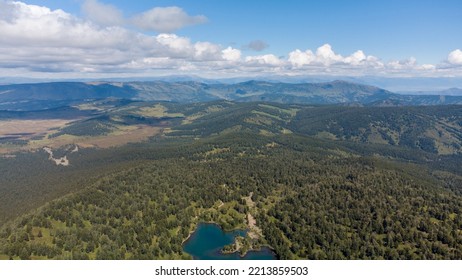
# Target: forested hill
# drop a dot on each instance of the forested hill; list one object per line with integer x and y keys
{"x": 434, "y": 129}
{"x": 49, "y": 95}
{"x": 312, "y": 199}
{"x": 324, "y": 181}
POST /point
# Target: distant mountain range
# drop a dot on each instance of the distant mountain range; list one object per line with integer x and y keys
{"x": 446, "y": 92}
{"x": 55, "y": 94}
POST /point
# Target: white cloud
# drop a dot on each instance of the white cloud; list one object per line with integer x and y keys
{"x": 326, "y": 56}
{"x": 166, "y": 19}
{"x": 41, "y": 39}
{"x": 36, "y": 39}
{"x": 356, "y": 58}
{"x": 206, "y": 51}
{"x": 267, "y": 59}
{"x": 409, "y": 67}
{"x": 29, "y": 26}
{"x": 103, "y": 14}
{"x": 403, "y": 64}
{"x": 299, "y": 58}
{"x": 455, "y": 57}
{"x": 427, "y": 67}
{"x": 175, "y": 46}
{"x": 231, "y": 54}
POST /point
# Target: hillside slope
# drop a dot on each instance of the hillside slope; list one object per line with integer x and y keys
{"x": 332, "y": 182}
{"x": 434, "y": 129}
{"x": 312, "y": 201}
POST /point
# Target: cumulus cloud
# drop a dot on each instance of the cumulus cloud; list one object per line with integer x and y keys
{"x": 231, "y": 54}
{"x": 104, "y": 14}
{"x": 356, "y": 58}
{"x": 206, "y": 51}
{"x": 175, "y": 46}
{"x": 35, "y": 39}
{"x": 29, "y": 26}
{"x": 257, "y": 45}
{"x": 409, "y": 63}
{"x": 166, "y": 19}
{"x": 325, "y": 56}
{"x": 40, "y": 39}
{"x": 299, "y": 58}
{"x": 267, "y": 59}
{"x": 455, "y": 57}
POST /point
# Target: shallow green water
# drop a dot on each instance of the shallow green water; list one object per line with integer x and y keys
{"x": 208, "y": 240}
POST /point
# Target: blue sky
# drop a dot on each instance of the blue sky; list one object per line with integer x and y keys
{"x": 233, "y": 38}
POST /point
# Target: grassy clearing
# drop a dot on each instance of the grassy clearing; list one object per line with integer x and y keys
{"x": 292, "y": 112}
{"x": 215, "y": 151}
{"x": 121, "y": 136}
{"x": 265, "y": 132}
{"x": 45, "y": 233}
{"x": 30, "y": 127}
{"x": 157, "y": 111}
{"x": 259, "y": 120}
{"x": 193, "y": 117}
{"x": 88, "y": 107}
{"x": 267, "y": 115}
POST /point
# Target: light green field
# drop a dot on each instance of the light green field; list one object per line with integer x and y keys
{"x": 267, "y": 115}
{"x": 292, "y": 112}
{"x": 157, "y": 111}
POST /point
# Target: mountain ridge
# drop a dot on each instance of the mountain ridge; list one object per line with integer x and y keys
{"x": 55, "y": 94}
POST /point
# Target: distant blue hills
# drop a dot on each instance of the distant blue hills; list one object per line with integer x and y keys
{"x": 33, "y": 96}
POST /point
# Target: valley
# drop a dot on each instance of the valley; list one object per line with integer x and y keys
{"x": 116, "y": 178}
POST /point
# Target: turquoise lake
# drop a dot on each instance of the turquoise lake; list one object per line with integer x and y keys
{"x": 208, "y": 240}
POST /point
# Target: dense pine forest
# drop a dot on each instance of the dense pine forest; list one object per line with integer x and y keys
{"x": 328, "y": 182}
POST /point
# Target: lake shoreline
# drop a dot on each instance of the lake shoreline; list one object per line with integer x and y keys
{"x": 203, "y": 222}
{"x": 209, "y": 241}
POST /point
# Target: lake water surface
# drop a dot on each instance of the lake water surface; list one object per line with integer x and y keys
{"x": 208, "y": 240}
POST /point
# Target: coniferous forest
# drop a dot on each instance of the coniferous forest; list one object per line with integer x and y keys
{"x": 325, "y": 183}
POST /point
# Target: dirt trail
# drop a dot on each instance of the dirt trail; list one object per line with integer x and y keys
{"x": 255, "y": 232}
{"x": 58, "y": 161}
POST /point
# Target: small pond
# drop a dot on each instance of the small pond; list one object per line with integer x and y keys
{"x": 208, "y": 240}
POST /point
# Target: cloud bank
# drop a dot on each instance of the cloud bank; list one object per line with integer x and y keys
{"x": 36, "y": 40}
